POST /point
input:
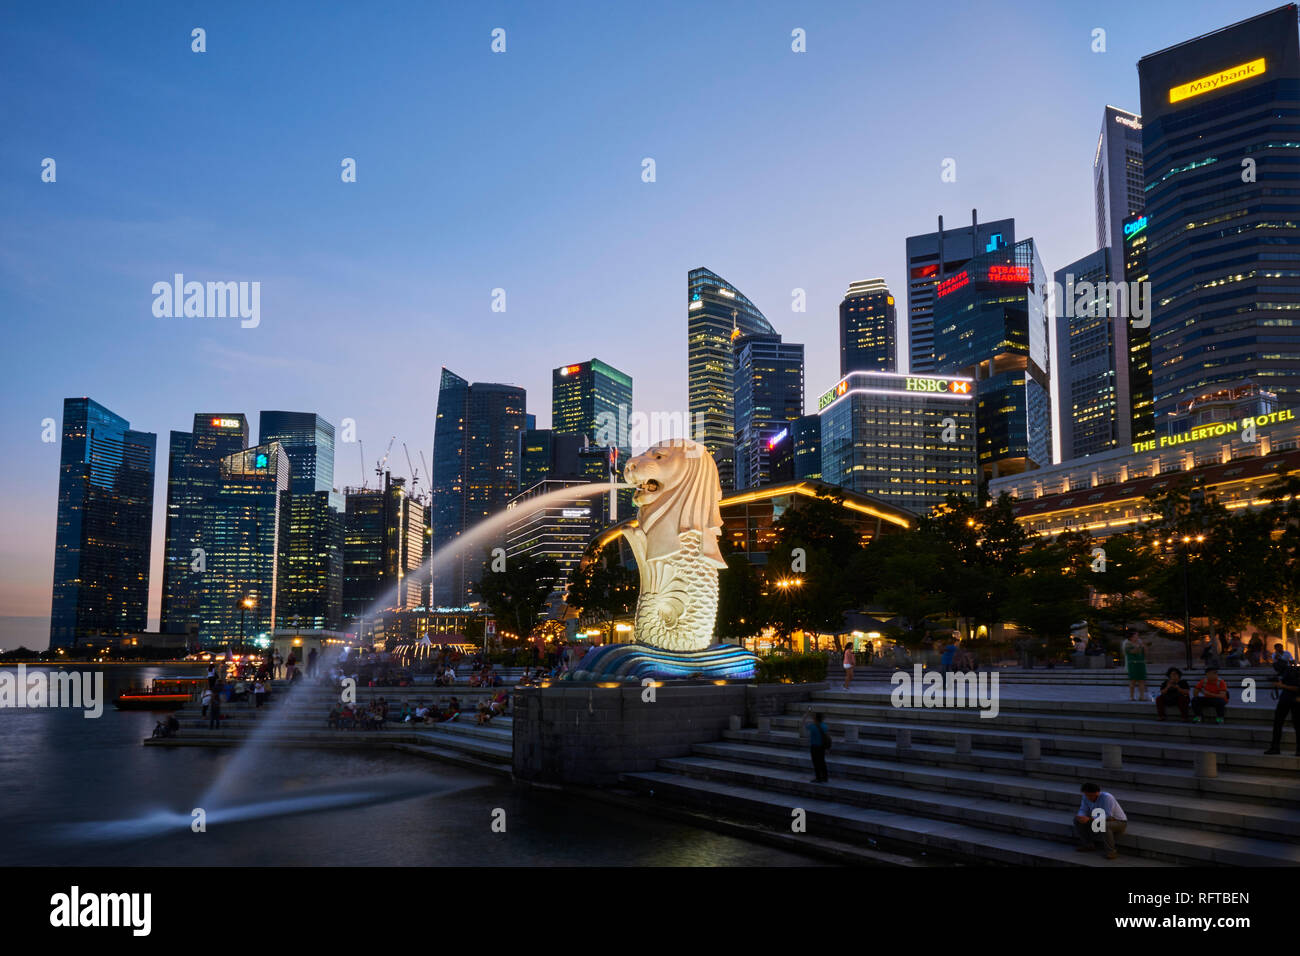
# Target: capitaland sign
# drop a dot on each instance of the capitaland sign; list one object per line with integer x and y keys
{"x": 1217, "y": 430}
{"x": 1217, "y": 81}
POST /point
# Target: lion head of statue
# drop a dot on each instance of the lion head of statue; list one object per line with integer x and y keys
{"x": 677, "y": 484}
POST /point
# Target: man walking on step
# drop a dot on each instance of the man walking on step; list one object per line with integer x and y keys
{"x": 1287, "y": 687}
{"x": 1110, "y": 821}
{"x": 819, "y": 739}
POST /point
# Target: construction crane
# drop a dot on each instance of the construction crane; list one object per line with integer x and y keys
{"x": 362, "y": 449}
{"x": 380, "y": 465}
{"x": 415, "y": 475}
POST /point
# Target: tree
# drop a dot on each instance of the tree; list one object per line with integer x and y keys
{"x": 816, "y": 547}
{"x": 1121, "y": 578}
{"x": 518, "y": 594}
{"x": 1049, "y": 595}
{"x": 741, "y": 609}
{"x": 603, "y": 587}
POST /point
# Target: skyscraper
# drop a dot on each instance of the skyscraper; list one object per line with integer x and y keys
{"x": 311, "y": 572}
{"x": 933, "y": 257}
{"x": 868, "y": 328}
{"x": 1092, "y": 417}
{"x": 243, "y": 530}
{"x": 769, "y": 394}
{"x": 807, "y": 435}
{"x": 105, "y": 518}
{"x": 193, "y": 470}
{"x": 543, "y": 454}
{"x": 1141, "y": 397}
{"x": 1220, "y": 124}
{"x": 1117, "y": 177}
{"x": 716, "y": 313}
{"x": 476, "y": 471}
{"x": 991, "y": 324}
{"x": 308, "y": 440}
{"x": 908, "y": 440}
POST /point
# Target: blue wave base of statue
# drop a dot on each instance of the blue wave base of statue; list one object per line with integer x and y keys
{"x": 635, "y": 662}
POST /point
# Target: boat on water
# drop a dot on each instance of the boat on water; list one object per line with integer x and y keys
{"x": 164, "y": 693}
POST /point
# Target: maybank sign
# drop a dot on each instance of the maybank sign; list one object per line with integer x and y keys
{"x": 1217, "y": 430}
{"x": 1217, "y": 81}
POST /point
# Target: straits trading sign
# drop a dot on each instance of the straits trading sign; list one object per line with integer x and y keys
{"x": 1217, "y": 81}
{"x": 1217, "y": 430}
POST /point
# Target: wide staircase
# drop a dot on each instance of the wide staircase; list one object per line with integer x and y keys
{"x": 945, "y": 782}
{"x": 299, "y": 718}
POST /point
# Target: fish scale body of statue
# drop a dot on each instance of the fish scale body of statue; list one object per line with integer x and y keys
{"x": 676, "y": 544}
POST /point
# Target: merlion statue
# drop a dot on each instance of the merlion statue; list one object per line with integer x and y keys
{"x": 675, "y": 543}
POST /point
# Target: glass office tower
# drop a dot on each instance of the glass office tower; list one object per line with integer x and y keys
{"x": 476, "y": 471}
{"x": 933, "y": 257}
{"x": 807, "y": 434}
{"x": 868, "y": 324}
{"x": 1141, "y": 408}
{"x": 242, "y": 531}
{"x": 104, "y": 526}
{"x": 1221, "y": 145}
{"x": 769, "y": 396}
{"x": 311, "y": 573}
{"x": 308, "y": 440}
{"x": 193, "y": 468}
{"x": 717, "y": 313}
{"x": 1092, "y": 415}
{"x": 991, "y": 324}
{"x": 908, "y": 440}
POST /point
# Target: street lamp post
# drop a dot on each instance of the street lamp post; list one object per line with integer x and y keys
{"x": 786, "y": 584}
{"x": 246, "y": 604}
{"x": 1182, "y": 547}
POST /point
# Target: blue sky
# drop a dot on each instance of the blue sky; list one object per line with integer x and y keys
{"x": 478, "y": 171}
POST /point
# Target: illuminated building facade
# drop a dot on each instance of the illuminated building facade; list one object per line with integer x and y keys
{"x": 193, "y": 470}
{"x": 385, "y": 542}
{"x": 1221, "y": 145}
{"x": 1141, "y": 395}
{"x": 543, "y": 454}
{"x": 807, "y": 435}
{"x": 991, "y": 324}
{"x": 749, "y": 519}
{"x": 311, "y": 555}
{"x": 476, "y": 470}
{"x": 1092, "y": 416}
{"x": 104, "y": 526}
{"x": 1117, "y": 177}
{"x": 1105, "y": 494}
{"x": 768, "y": 399}
{"x": 933, "y": 257}
{"x": 716, "y": 314}
{"x": 868, "y": 328}
{"x": 243, "y": 530}
{"x": 592, "y": 401}
{"x": 559, "y": 531}
{"x": 906, "y": 440}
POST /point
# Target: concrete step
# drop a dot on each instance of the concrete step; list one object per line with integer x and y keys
{"x": 1281, "y": 822}
{"x": 1238, "y": 716}
{"x": 1267, "y": 789}
{"x": 1087, "y": 746}
{"x": 1171, "y": 843}
{"x": 831, "y": 819}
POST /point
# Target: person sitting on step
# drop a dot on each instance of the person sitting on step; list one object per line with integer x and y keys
{"x": 1211, "y": 694}
{"x": 1174, "y": 691}
{"x": 1099, "y": 813}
